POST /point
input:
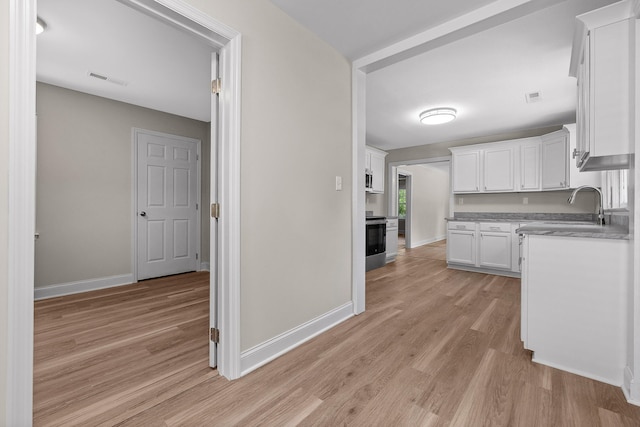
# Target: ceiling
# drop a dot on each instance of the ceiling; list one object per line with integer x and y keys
{"x": 148, "y": 62}
{"x": 484, "y": 76}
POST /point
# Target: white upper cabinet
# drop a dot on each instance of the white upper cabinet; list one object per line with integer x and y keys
{"x": 374, "y": 163}
{"x": 499, "y": 165}
{"x": 539, "y": 163}
{"x": 466, "y": 171}
{"x": 600, "y": 61}
{"x": 555, "y": 165}
{"x": 530, "y": 165}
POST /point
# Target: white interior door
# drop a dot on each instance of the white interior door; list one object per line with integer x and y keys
{"x": 168, "y": 189}
{"x": 213, "y": 242}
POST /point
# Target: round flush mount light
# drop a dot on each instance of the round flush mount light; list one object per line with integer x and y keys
{"x": 437, "y": 116}
{"x": 40, "y": 26}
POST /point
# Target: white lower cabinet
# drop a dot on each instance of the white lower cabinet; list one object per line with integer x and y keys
{"x": 461, "y": 243}
{"x": 495, "y": 246}
{"x": 574, "y": 304}
{"x": 480, "y": 246}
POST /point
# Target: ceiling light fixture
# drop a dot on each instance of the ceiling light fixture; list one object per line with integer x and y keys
{"x": 437, "y": 116}
{"x": 40, "y": 26}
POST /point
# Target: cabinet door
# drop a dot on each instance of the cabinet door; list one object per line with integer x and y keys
{"x": 498, "y": 169}
{"x": 555, "y": 161}
{"x": 609, "y": 75}
{"x": 530, "y": 166}
{"x": 377, "y": 169}
{"x": 466, "y": 172}
{"x": 495, "y": 250}
{"x": 461, "y": 247}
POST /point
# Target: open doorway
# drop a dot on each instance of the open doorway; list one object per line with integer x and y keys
{"x": 23, "y": 169}
{"x": 420, "y": 196}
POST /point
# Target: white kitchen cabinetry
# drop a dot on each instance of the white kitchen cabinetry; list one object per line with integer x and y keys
{"x": 600, "y": 60}
{"x": 374, "y": 163}
{"x": 574, "y": 304}
{"x": 495, "y": 245}
{"x": 530, "y": 168}
{"x": 555, "y": 163}
{"x": 461, "y": 243}
{"x": 498, "y": 171}
{"x": 466, "y": 171}
{"x": 392, "y": 239}
{"x": 481, "y": 246}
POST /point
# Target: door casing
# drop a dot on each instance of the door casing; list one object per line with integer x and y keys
{"x": 21, "y": 189}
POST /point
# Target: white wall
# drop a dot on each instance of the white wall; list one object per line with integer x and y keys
{"x": 296, "y": 138}
{"x": 429, "y": 202}
{"x": 84, "y": 183}
{"x": 4, "y": 195}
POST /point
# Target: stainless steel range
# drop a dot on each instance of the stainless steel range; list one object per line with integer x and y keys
{"x": 376, "y": 237}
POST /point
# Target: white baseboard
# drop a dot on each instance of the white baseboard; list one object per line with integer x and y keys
{"x": 631, "y": 388}
{"x": 616, "y": 380}
{"x": 205, "y": 266}
{"x": 52, "y": 291}
{"x": 426, "y": 242}
{"x": 262, "y": 354}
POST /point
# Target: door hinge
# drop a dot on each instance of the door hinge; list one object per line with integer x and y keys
{"x": 197, "y": 206}
{"x": 215, "y": 210}
{"x": 215, "y": 335}
{"x": 196, "y": 256}
{"x": 216, "y": 86}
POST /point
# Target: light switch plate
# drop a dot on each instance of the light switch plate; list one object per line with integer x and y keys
{"x": 338, "y": 183}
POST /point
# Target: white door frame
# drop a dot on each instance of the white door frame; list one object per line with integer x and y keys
{"x": 407, "y": 219}
{"x": 134, "y": 193}
{"x": 21, "y": 200}
{"x": 463, "y": 26}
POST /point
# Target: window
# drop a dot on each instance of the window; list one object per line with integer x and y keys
{"x": 402, "y": 203}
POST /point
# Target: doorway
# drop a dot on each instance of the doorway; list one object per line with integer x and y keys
{"x": 420, "y": 194}
{"x": 22, "y": 190}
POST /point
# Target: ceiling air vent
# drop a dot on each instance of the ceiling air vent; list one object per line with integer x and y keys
{"x": 107, "y": 79}
{"x": 533, "y": 97}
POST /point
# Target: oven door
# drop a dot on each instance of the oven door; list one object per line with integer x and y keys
{"x": 376, "y": 236}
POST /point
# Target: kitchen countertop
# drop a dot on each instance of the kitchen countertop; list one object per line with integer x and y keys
{"x": 576, "y": 230}
{"x": 567, "y": 225}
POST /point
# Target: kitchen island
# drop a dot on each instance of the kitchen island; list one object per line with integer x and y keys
{"x": 575, "y": 288}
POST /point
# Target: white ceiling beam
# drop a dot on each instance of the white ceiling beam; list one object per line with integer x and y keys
{"x": 489, "y": 16}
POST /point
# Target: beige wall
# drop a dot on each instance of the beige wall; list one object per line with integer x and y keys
{"x": 430, "y": 195}
{"x": 84, "y": 184}
{"x": 296, "y": 138}
{"x": 538, "y": 202}
{"x": 4, "y": 166}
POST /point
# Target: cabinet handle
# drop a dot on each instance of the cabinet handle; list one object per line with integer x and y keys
{"x": 562, "y": 184}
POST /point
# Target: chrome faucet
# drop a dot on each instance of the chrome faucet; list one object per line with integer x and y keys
{"x": 572, "y": 198}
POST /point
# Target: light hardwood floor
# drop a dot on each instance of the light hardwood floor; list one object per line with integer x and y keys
{"x": 436, "y": 347}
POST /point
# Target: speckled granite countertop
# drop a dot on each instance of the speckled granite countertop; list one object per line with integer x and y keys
{"x": 567, "y": 225}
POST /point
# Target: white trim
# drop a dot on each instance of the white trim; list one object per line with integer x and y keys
{"x": 22, "y": 175}
{"x": 630, "y": 388}
{"x": 61, "y": 289}
{"x": 358, "y": 245}
{"x": 262, "y": 354}
{"x": 605, "y": 380}
{"x": 228, "y": 263}
{"x": 205, "y": 266}
{"x": 495, "y": 272}
{"x": 135, "y": 132}
{"x": 427, "y": 241}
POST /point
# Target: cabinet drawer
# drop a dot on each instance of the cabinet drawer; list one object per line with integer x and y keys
{"x": 459, "y": 225}
{"x": 504, "y": 227}
{"x": 392, "y": 223}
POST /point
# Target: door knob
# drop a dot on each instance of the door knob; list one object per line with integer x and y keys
{"x": 143, "y": 213}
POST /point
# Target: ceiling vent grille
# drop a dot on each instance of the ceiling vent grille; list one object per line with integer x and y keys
{"x": 106, "y": 78}
{"x": 533, "y": 97}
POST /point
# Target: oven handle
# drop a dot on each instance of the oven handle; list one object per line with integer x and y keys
{"x": 376, "y": 221}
